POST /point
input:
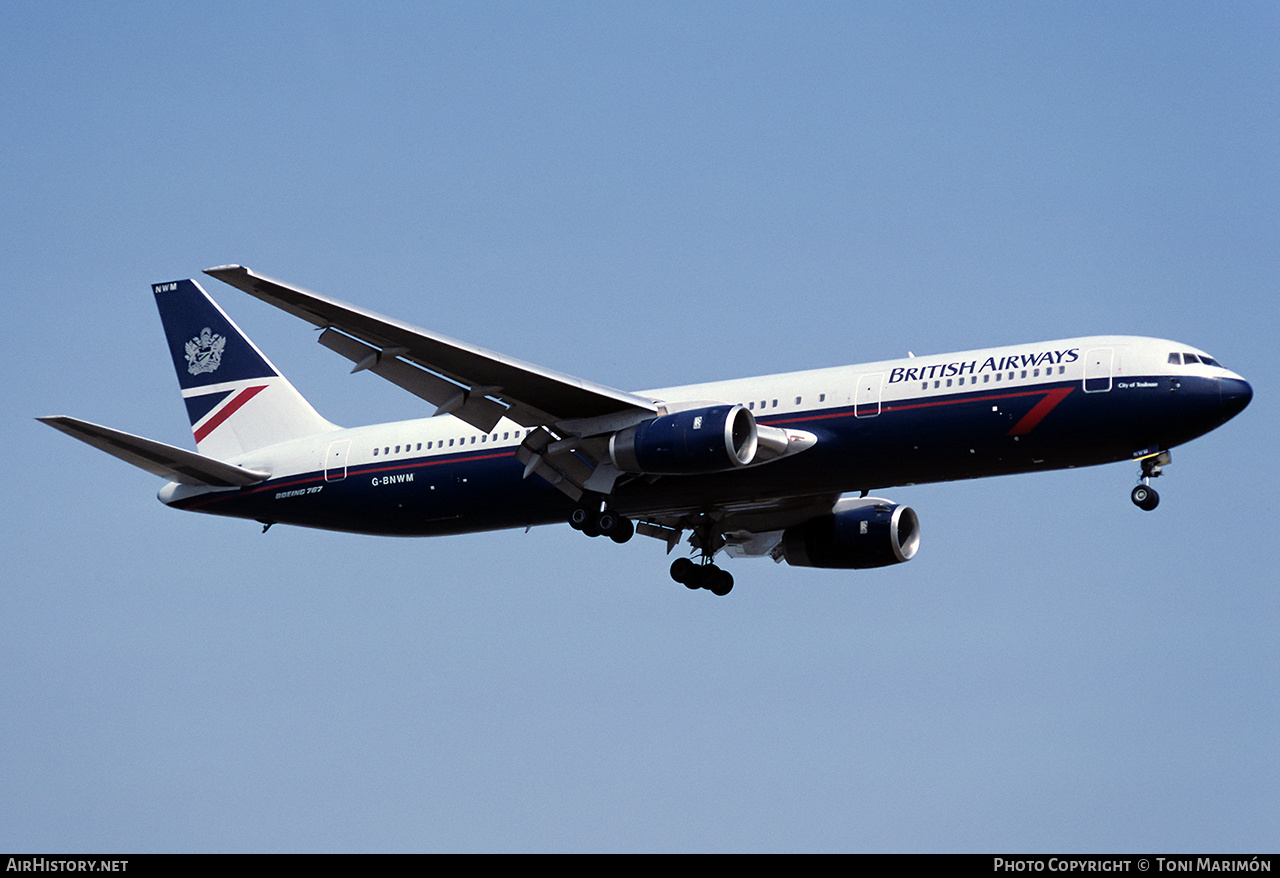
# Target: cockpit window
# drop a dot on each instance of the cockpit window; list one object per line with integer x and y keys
{"x": 1186, "y": 358}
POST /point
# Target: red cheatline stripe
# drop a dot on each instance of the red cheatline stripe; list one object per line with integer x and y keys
{"x": 228, "y": 410}
{"x": 1038, "y": 411}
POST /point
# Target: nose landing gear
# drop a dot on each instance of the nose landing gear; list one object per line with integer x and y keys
{"x": 1144, "y": 496}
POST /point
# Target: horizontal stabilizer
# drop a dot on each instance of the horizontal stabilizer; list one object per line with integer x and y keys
{"x": 166, "y": 461}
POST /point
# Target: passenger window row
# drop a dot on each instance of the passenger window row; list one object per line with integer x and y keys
{"x": 438, "y": 444}
{"x": 999, "y": 376}
{"x": 773, "y": 404}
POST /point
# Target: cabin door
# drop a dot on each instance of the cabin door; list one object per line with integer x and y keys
{"x": 335, "y": 460}
{"x": 1097, "y": 370}
{"x": 866, "y": 399}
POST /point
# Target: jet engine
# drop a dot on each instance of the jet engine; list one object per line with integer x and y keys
{"x": 858, "y": 533}
{"x": 704, "y": 440}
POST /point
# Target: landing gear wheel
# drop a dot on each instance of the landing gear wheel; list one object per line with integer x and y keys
{"x": 579, "y": 517}
{"x": 701, "y": 577}
{"x": 721, "y": 582}
{"x": 624, "y": 530}
{"x": 682, "y": 571}
{"x": 1145, "y": 497}
{"x": 607, "y": 521}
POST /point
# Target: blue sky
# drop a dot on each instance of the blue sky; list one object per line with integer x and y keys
{"x": 644, "y": 195}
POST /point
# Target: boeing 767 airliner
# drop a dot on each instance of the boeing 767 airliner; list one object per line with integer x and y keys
{"x": 779, "y": 465}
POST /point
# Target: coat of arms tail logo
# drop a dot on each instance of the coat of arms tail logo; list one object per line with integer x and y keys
{"x": 204, "y": 352}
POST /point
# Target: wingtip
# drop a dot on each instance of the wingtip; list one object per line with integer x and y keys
{"x": 224, "y": 269}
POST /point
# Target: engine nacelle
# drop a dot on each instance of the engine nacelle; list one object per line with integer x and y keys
{"x": 706, "y": 440}
{"x": 858, "y": 533}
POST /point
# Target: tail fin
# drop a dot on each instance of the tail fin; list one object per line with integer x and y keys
{"x": 236, "y": 399}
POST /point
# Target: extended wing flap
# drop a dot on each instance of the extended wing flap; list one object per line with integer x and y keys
{"x": 556, "y": 462}
{"x": 166, "y": 461}
{"x": 447, "y": 396}
{"x": 540, "y": 393}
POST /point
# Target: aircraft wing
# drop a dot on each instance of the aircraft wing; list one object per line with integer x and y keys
{"x": 166, "y": 461}
{"x": 476, "y": 385}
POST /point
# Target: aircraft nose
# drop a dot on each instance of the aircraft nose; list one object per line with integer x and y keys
{"x": 1235, "y": 394}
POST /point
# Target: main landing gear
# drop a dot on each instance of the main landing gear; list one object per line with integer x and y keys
{"x": 705, "y": 575}
{"x": 596, "y": 518}
{"x": 706, "y": 540}
{"x": 1144, "y": 496}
